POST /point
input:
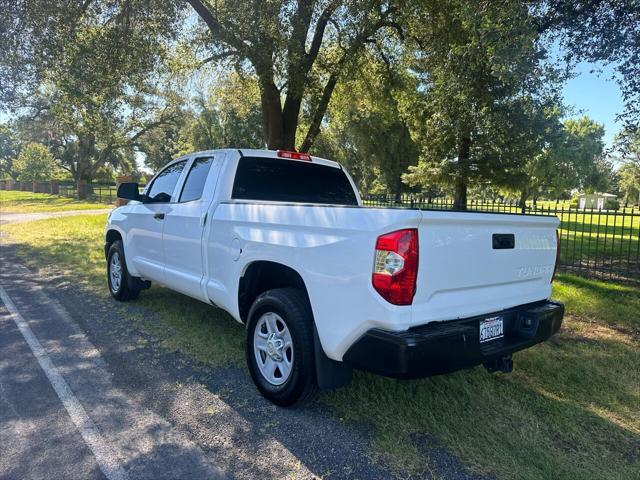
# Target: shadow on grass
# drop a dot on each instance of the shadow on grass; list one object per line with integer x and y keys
{"x": 567, "y": 411}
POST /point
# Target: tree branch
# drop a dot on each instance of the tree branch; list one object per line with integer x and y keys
{"x": 318, "y": 34}
{"x": 361, "y": 39}
{"x": 217, "y": 56}
{"x": 314, "y": 128}
{"x": 214, "y": 25}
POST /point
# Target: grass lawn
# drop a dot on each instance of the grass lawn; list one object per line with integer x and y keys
{"x": 28, "y": 202}
{"x": 570, "y": 409}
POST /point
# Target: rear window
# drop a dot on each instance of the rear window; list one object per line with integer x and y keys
{"x": 276, "y": 179}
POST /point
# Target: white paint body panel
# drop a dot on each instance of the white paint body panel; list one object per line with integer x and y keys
{"x": 332, "y": 248}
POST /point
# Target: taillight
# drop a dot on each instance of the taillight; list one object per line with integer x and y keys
{"x": 555, "y": 267}
{"x": 396, "y": 266}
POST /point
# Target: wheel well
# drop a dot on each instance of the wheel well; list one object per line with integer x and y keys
{"x": 112, "y": 236}
{"x": 262, "y": 276}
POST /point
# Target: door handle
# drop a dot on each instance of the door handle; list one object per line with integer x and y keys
{"x": 158, "y": 216}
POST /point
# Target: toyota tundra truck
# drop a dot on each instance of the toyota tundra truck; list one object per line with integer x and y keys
{"x": 282, "y": 242}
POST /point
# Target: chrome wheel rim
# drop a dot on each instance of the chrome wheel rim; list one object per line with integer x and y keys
{"x": 115, "y": 272}
{"x": 273, "y": 348}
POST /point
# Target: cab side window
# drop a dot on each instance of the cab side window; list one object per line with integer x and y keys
{"x": 164, "y": 184}
{"x": 194, "y": 184}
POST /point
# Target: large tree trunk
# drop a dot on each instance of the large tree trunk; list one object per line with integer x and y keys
{"x": 86, "y": 146}
{"x": 397, "y": 189}
{"x": 84, "y": 188}
{"x": 523, "y": 201}
{"x": 271, "y": 115}
{"x": 290, "y": 115}
{"x": 460, "y": 195}
{"x": 279, "y": 126}
{"x": 462, "y": 180}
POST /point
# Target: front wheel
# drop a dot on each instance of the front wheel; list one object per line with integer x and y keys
{"x": 120, "y": 282}
{"x": 279, "y": 347}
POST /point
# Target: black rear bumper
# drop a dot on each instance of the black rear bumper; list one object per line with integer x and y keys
{"x": 442, "y": 347}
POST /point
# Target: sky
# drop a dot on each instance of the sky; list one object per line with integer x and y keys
{"x": 597, "y": 96}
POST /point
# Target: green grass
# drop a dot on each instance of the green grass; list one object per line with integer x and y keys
{"x": 27, "y": 202}
{"x": 570, "y": 409}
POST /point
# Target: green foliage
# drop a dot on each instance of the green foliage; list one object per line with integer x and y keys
{"x": 9, "y": 149}
{"x": 296, "y": 50}
{"x": 366, "y": 130}
{"x": 465, "y": 89}
{"x": 99, "y": 95}
{"x": 599, "y": 31}
{"x": 570, "y": 158}
{"x": 583, "y": 147}
{"x": 628, "y": 145}
{"x": 481, "y": 77}
{"x": 228, "y": 117}
{"x": 611, "y": 204}
{"x": 35, "y": 163}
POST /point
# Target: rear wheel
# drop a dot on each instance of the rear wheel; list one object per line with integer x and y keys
{"x": 120, "y": 282}
{"x": 279, "y": 347}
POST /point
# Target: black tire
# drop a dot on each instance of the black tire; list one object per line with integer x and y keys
{"x": 292, "y": 306}
{"x": 123, "y": 290}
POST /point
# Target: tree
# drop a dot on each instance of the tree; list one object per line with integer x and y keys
{"x": 480, "y": 67}
{"x": 584, "y": 143}
{"x": 9, "y": 150}
{"x": 540, "y": 166}
{"x": 98, "y": 68}
{"x": 628, "y": 145}
{"x": 229, "y": 115}
{"x": 365, "y": 127}
{"x": 570, "y": 155}
{"x": 599, "y": 31}
{"x": 35, "y": 163}
{"x": 291, "y": 46}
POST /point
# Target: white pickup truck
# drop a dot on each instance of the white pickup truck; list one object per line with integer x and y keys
{"x": 281, "y": 241}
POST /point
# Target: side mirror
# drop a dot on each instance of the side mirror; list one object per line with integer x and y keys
{"x": 129, "y": 191}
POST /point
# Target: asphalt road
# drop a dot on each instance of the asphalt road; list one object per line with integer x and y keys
{"x": 130, "y": 409}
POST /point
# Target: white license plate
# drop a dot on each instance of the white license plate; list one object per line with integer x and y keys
{"x": 491, "y": 328}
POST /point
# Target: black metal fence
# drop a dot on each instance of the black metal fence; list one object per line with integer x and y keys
{"x": 603, "y": 244}
{"x": 103, "y": 193}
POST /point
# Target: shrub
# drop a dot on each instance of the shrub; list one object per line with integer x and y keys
{"x": 611, "y": 204}
{"x": 574, "y": 203}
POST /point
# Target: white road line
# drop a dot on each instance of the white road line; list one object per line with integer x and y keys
{"x": 105, "y": 457}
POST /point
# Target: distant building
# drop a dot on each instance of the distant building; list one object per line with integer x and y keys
{"x": 594, "y": 200}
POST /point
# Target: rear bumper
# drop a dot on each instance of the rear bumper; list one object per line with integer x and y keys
{"x": 442, "y": 347}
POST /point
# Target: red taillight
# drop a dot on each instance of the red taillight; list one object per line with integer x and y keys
{"x": 293, "y": 155}
{"x": 555, "y": 267}
{"x": 396, "y": 266}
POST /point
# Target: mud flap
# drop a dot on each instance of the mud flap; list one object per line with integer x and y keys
{"x": 330, "y": 373}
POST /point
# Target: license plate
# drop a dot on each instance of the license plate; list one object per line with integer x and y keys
{"x": 491, "y": 328}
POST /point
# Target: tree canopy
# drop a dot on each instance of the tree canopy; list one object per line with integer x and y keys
{"x": 444, "y": 97}
{"x": 35, "y": 163}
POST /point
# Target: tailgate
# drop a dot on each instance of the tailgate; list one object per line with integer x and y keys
{"x": 476, "y": 263}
